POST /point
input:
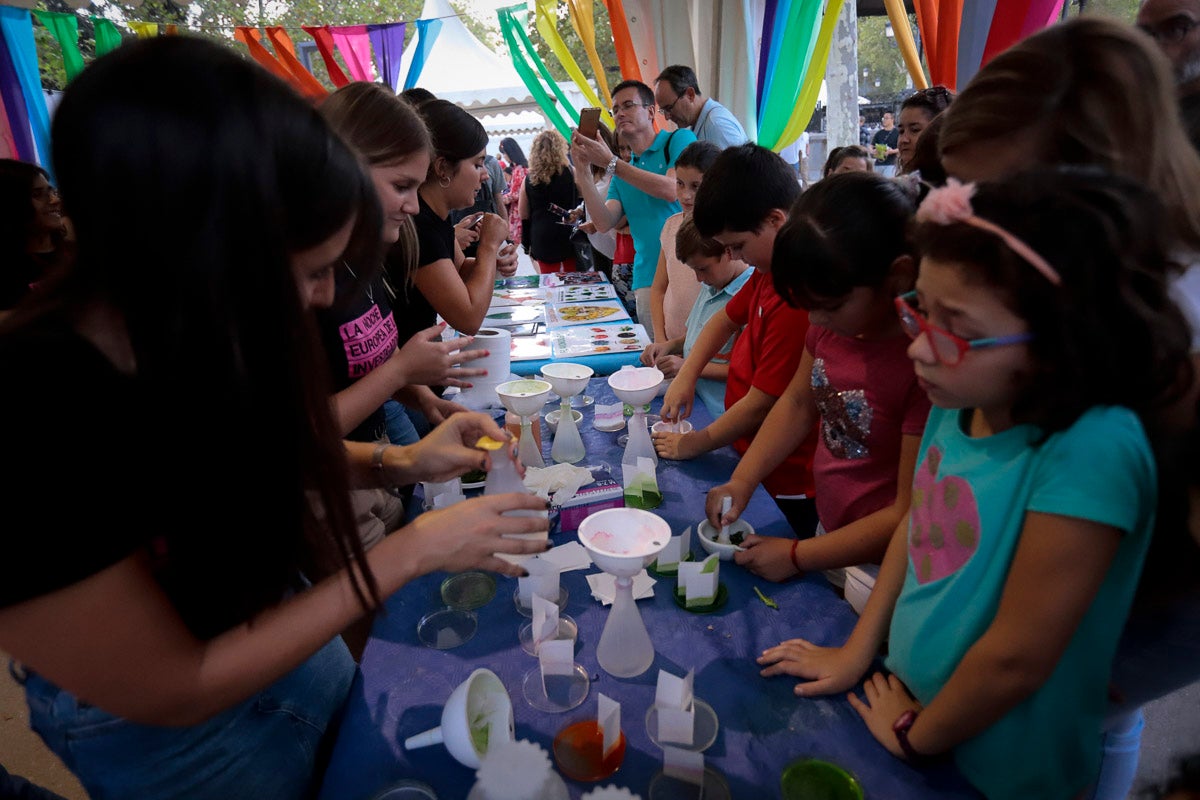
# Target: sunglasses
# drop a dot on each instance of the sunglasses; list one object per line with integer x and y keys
{"x": 947, "y": 348}
{"x": 939, "y": 96}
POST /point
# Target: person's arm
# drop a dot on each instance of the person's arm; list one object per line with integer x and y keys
{"x": 604, "y": 214}
{"x": 740, "y": 419}
{"x": 115, "y": 640}
{"x": 523, "y": 205}
{"x": 653, "y": 184}
{"x": 827, "y": 670}
{"x": 677, "y": 404}
{"x": 462, "y": 297}
{"x": 658, "y": 293}
{"x": 784, "y": 429}
{"x": 1059, "y": 566}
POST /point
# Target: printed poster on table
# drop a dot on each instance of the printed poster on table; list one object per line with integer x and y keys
{"x": 594, "y": 340}
{"x": 519, "y": 282}
{"x": 531, "y": 348}
{"x": 510, "y": 316}
{"x": 600, "y": 311}
{"x": 582, "y": 294}
{"x": 556, "y": 279}
{"x": 524, "y": 296}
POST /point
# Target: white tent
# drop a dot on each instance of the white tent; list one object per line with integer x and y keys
{"x": 464, "y": 70}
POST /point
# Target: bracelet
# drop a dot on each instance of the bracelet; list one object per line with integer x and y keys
{"x": 611, "y": 169}
{"x": 796, "y": 563}
{"x": 377, "y": 466}
{"x": 901, "y": 727}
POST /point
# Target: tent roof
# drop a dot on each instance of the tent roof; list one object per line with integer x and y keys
{"x": 463, "y": 69}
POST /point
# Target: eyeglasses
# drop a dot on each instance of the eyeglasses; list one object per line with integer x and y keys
{"x": 1171, "y": 30}
{"x": 628, "y": 105}
{"x": 666, "y": 107}
{"x": 947, "y": 348}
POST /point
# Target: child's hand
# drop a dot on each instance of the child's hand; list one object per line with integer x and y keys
{"x": 826, "y": 670}
{"x": 669, "y": 365}
{"x": 677, "y": 446}
{"x": 884, "y": 700}
{"x": 652, "y": 353}
{"x": 738, "y": 493}
{"x": 768, "y": 557}
{"x": 677, "y": 402}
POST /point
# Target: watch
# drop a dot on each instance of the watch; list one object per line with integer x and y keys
{"x": 611, "y": 169}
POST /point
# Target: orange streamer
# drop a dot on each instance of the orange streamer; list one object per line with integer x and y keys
{"x": 626, "y": 56}
{"x": 309, "y": 86}
{"x": 949, "y": 20}
{"x": 249, "y": 37}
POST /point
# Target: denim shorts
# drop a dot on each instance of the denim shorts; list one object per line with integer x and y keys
{"x": 271, "y": 746}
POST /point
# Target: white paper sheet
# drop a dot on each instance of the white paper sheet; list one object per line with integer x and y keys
{"x": 604, "y": 586}
{"x": 608, "y": 716}
{"x": 542, "y": 581}
{"x": 567, "y": 557}
{"x": 545, "y": 621}
{"x": 683, "y": 764}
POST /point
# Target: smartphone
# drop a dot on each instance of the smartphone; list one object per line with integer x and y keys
{"x": 589, "y": 122}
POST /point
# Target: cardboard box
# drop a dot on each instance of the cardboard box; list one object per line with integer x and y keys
{"x": 603, "y": 493}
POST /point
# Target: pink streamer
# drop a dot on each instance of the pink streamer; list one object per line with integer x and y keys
{"x": 354, "y": 43}
{"x": 8, "y": 145}
{"x": 1041, "y": 13}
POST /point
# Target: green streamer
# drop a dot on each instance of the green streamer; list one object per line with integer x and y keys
{"x": 509, "y": 27}
{"x": 65, "y": 28}
{"x": 519, "y": 26}
{"x": 799, "y": 34}
{"x": 108, "y": 37}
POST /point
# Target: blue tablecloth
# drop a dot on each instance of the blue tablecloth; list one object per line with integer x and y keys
{"x": 763, "y": 726}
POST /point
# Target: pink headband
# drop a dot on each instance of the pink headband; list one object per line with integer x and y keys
{"x": 952, "y": 203}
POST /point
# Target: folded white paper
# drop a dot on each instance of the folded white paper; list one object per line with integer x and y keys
{"x": 567, "y": 557}
{"x": 604, "y": 586}
{"x": 674, "y": 692}
{"x": 556, "y": 657}
{"x": 608, "y": 717}
{"x": 545, "y": 621}
{"x": 673, "y": 553}
{"x": 541, "y": 581}
{"x": 699, "y": 580}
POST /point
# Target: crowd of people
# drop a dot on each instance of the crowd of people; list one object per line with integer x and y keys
{"x": 970, "y": 388}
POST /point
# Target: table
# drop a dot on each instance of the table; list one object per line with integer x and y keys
{"x": 605, "y": 364}
{"x": 763, "y": 726}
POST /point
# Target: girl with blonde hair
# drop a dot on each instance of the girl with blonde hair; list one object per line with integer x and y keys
{"x": 550, "y": 185}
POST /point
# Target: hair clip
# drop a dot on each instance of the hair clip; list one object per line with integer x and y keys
{"x": 952, "y": 203}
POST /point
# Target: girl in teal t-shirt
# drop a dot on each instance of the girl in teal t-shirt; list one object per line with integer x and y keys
{"x": 1044, "y": 336}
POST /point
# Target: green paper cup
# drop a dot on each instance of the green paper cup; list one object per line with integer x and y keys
{"x": 812, "y": 779}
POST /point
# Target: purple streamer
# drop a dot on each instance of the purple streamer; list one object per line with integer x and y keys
{"x": 764, "y": 51}
{"x": 14, "y": 105}
{"x": 388, "y": 43}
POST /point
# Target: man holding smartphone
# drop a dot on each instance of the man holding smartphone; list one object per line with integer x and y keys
{"x": 643, "y": 189}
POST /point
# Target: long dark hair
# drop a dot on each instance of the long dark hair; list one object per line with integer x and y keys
{"x": 844, "y": 232}
{"x": 1107, "y": 237}
{"x": 224, "y": 172}
{"x": 513, "y": 152}
{"x": 457, "y": 135}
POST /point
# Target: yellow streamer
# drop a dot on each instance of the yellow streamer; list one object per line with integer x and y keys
{"x": 908, "y": 48}
{"x": 806, "y": 101}
{"x": 144, "y": 30}
{"x": 585, "y": 28}
{"x": 546, "y": 18}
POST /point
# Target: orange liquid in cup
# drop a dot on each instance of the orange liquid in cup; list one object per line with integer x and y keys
{"x": 578, "y": 749}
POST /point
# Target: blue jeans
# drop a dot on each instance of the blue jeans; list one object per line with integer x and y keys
{"x": 270, "y": 746}
{"x": 400, "y": 428}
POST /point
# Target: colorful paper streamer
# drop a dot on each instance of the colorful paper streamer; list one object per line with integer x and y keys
{"x": 301, "y": 78}
{"x": 546, "y": 18}
{"x": 324, "y": 39}
{"x": 388, "y": 43}
{"x": 783, "y": 91}
{"x": 427, "y": 33}
{"x": 898, "y": 16}
{"x": 354, "y": 44}
{"x": 584, "y": 23}
{"x": 631, "y": 68}
{"x": 108, "y": 36}
{"x": 510, "y": 30}
{"x": 21, "y": 88}
{"x": 65, "y": 28}
{"x": 806, "y": 103}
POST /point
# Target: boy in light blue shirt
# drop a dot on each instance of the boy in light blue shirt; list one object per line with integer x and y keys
{"x": 722, "y": 278}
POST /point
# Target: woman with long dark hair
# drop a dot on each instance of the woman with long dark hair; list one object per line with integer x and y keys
{"x": 32, "y": 230}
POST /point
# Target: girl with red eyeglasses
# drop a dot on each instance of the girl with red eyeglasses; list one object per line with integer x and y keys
{"x": 1048, "y": 352}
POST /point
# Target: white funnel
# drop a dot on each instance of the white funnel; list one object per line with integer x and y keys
{"x": 477, "y": 715}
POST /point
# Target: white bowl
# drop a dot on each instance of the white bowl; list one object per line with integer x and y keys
{"x": 708, "y": 538}
{"x": 636, "y": 386}
{"x": 663, "y": 426}
{"x": 552, "y": 418}
{"x": 567, "y": 379}
{"x": 623, "y": 540}
{"x": 524, "y": 397}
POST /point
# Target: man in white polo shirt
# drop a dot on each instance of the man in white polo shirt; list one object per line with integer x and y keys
{"x": 679, "y": 98}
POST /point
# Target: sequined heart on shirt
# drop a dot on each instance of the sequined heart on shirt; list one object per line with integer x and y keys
{"x": 845, "y": 416}
{"x": 944, "y": 529}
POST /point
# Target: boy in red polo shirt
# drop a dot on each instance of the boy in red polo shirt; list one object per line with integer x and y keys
{"x": 742, "y": 204}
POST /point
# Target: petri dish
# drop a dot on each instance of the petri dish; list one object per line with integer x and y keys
{"x": 667, "y": 787}
{"x": 813, "y": 779}
{"x": 527, "y": 611}
{"x": 447, "y": 628}
{"x": 560, "y": 692}
{"x": 468, "y": 590}
{"x": 704, "y": 730}
{"x": 719, "y": 601}
{"x": 567, "y": 629}
{"x": 407, "y": 790}
{"x": 578, "y": 751}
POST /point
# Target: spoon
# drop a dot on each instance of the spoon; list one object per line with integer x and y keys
{"x": 726, "y": 504}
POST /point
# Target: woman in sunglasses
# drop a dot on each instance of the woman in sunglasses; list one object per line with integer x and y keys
{"x": 916, "y": 112}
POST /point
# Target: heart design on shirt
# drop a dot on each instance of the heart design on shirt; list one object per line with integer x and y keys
{"x": 944, "y": 527}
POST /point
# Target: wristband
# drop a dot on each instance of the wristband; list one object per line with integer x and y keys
{"x": 901, "y": 727}
{"x": 611, "y": 169}
{"x": 377, "y": 466}
{"x": 796, "y": 563}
